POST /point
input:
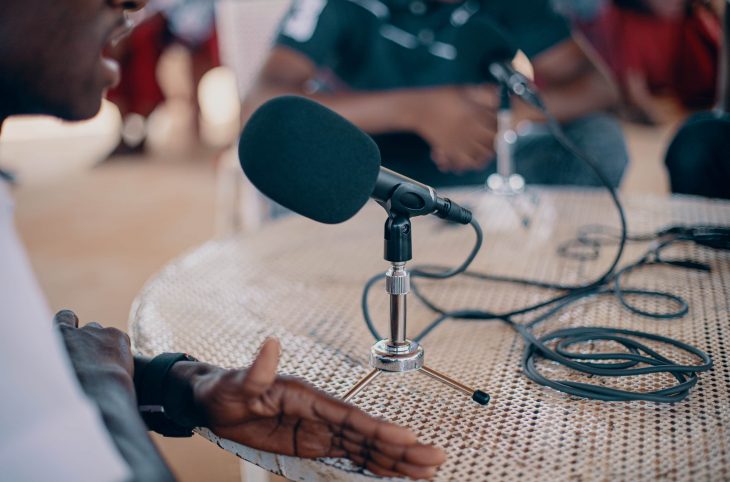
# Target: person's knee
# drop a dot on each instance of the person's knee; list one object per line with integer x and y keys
{"x": 696, "y": 159}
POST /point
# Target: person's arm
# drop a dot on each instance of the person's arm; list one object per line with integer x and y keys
{"x": 573, "y": 82}
{"x": 289, "y": 72}
{"x": 284, "y": 415}
{"x": 103, "y": 363}
{"x": 315, "y": 33}
{"x": 458, "y": 122}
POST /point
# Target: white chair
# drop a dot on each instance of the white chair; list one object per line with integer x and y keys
{"x": 246, "y": 29}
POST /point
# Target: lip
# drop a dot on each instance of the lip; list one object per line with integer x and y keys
{"x": 109, "y": 66}
{"x": 119, "y": 33}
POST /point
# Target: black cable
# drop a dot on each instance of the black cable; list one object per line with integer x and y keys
{"x": 445, "y": 273}
{"x": 611, "y": 365}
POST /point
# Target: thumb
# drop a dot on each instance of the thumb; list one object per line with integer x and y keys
{"x": 66, "y": 317}
{"x": 262, "y": 373}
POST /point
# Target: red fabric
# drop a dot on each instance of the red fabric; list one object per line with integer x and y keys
{"x": 139, "y": 92}
{"x": 679, "y": 55}
{"x": 697, "y": 68}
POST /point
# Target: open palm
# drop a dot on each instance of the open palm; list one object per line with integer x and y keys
{"x": 284, "y": 415}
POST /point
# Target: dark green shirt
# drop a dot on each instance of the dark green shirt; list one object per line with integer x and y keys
{"x": 388, "y": 44}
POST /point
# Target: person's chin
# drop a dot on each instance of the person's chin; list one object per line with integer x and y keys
{"x": 82, "y": 110}
{"x": 88, "y": 103}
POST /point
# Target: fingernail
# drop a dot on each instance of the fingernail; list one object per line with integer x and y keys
{"x": 67, "y": 317}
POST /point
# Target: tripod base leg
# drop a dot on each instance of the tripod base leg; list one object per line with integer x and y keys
{"x": 359, "y": 386}
{"x": 478, "y": 396}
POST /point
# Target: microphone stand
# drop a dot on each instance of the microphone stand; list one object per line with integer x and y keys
{"x": 398, "y": 354}
{"x": 506, "y": 182}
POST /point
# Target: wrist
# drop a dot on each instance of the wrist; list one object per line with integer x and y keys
{"x": 408, "y": 111}
{"x": 181, "y": 387}
{"x": 165, "y": 392}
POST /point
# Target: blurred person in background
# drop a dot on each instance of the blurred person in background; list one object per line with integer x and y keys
{"x": 414, "y": 73}
{"x": 663, "y": 52}
{"x": 76, "y": 404}
{"x": 698, "y": 158}
{"x": 188, "y": 23}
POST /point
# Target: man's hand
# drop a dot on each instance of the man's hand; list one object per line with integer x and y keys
{"x": 257, "y": 408}
{"x": 104, "y": 365}
{"x": 459, "y": 123}
{"x": 93, "y": 348}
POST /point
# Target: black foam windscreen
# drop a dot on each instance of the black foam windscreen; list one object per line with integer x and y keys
{"x": 309, "y": 159}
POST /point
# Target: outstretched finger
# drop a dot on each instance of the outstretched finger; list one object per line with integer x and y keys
{"x": 305, "y": 401}
{"x": 381, "y": 465}
{"x": 67, "y": 318}
{"x": 422, "y": 455}
{"x": 262, "y": 373}
{"x": 349, "y": 417}
{"x": 416, "y": 454}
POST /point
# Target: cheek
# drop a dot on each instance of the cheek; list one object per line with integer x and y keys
{"x": 57, "y": 65}
{"x": 74, "y": 79}
{"x": 71, "y": 89}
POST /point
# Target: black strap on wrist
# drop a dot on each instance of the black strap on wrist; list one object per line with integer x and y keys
{"x": 151, "y": 396}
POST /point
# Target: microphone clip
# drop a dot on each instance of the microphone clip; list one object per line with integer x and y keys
{"x": 410, "y": 200}
{"x": 401, "y": 196}
{"x": 398, "y": 243}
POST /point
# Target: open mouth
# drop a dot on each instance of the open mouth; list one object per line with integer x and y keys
{"x": 109, "y": 65}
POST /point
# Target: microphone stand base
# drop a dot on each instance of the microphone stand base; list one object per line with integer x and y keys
{"x": 397, "y": 358}
{"x": 385, "y": 356}
{"x": 511, "y": 185}
{"x": 514, "y": 190}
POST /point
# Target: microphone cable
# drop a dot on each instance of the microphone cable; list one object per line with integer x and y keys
{"x": 638, "y": 358}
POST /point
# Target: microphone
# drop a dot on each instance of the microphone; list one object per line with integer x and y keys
{"x": 313, "y": 161}
{"x": 515, "y": 82}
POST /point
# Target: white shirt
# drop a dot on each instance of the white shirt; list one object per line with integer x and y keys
{"x": 49, "y": 430}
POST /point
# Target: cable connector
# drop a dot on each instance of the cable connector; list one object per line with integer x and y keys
{"x": 453, "y": 212}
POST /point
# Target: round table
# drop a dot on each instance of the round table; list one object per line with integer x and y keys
{"x": 302, "y": 281}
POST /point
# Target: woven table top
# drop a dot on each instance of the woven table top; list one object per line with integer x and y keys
{"x": 302, "y": 281}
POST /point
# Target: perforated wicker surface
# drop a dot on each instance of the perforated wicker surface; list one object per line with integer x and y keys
{"x": 302, "y": 282}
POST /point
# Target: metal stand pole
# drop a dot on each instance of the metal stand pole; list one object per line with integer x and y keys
{"x": 506, "y": 182}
